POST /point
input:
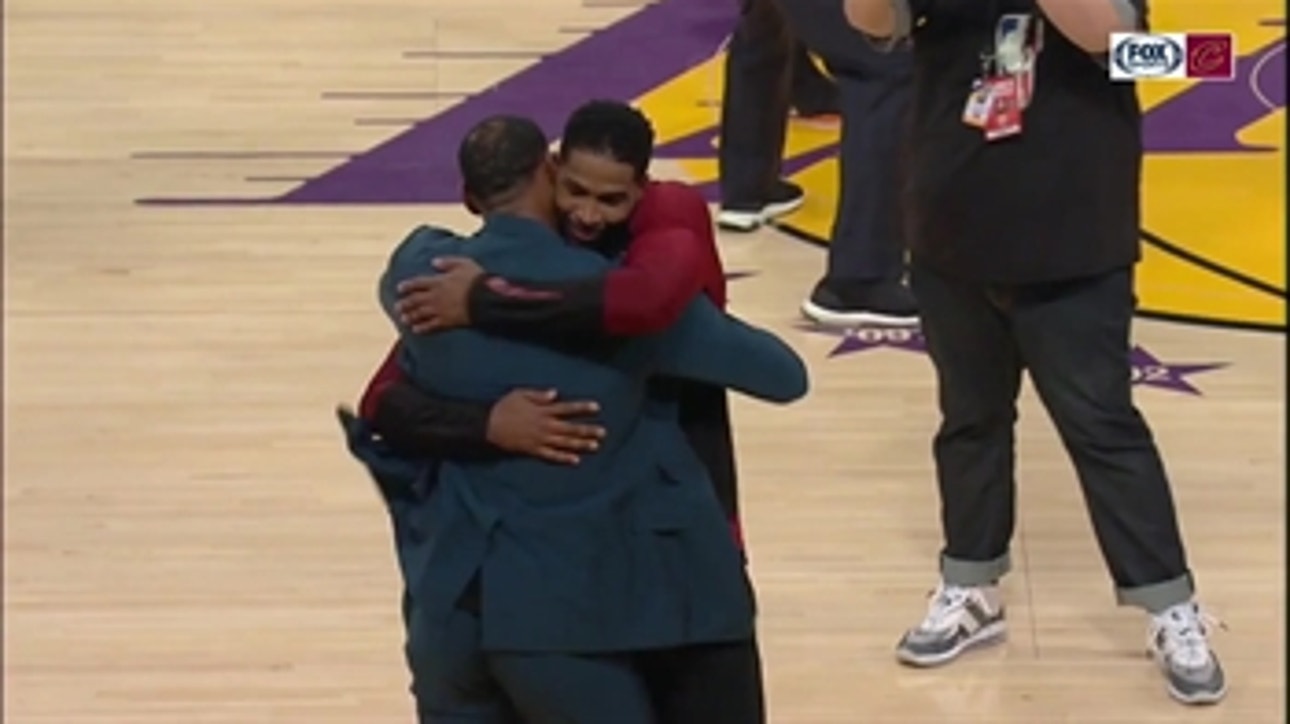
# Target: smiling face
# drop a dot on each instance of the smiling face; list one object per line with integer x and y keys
{"x": 594, "y": 193}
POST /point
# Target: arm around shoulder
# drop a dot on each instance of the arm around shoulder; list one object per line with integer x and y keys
{"x": 419, "y": 424}
{"x": 707, "y": 345}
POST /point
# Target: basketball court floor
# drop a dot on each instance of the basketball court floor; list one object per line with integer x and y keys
{"x": 198, "y": 200}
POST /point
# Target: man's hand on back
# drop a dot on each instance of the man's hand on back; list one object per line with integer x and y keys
{"x": 532, "y": 422}
{"x": 431, "y": 303}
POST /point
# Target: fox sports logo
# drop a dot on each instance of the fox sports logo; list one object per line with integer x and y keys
{"x": 1148, "y": 56}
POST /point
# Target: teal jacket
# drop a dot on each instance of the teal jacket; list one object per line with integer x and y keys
{"x": 628, "y": 550}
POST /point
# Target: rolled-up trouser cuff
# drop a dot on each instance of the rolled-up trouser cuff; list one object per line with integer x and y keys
{"x": 1156, "y": 597}
{"x": 974, "y": 573}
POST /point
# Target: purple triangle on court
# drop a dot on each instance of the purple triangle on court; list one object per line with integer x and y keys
{"x": 625, "y": 60}
{"x": 1208, "y": 117}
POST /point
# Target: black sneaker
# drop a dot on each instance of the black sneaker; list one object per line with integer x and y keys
{"x": 838, "y": 303}
{"x": 784, "y": 198}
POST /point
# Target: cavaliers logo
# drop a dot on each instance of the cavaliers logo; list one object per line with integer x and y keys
{"x": 1211, "y": 56}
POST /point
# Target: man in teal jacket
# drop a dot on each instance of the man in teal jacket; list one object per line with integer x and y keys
{"x": 569, "y": 576}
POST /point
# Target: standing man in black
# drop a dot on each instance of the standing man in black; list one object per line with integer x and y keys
{"x": 866, "y": 266}
{"x": 1023, "y": 212}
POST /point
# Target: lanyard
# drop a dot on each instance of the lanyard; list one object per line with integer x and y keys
{"x": 1005, "y": 51}
{"x": 993, "y": 7}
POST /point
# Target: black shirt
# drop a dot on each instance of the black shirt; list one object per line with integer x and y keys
{"x": 1060, "y": 200}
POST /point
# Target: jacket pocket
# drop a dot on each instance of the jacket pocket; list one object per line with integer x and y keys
{"x": 678, "y": 496}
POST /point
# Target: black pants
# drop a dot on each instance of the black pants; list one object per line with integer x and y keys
{"x": 768, "y": 71}
{"x": 1073, "y": 338}
{"x": 810, "y": 91}
{"x": 706, "y": 684}
{"x": 874, "y": 91}
{"x": 755, "y": 105}
{"x": 455, "y": 682}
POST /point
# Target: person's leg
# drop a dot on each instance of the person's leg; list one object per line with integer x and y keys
{"x": 864, "y": 279}
{"x": 978, "y": 373}
{"x": 450, "y": 678}
{"x": 1075, "y": 339}
{"x": 754, "y": 120}
{"x": 573, "y": 689}
{"x": 707, "y": 684}
{"x": 866, "y": 265}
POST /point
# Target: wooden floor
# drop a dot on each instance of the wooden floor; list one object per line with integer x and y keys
{"x": 187, "y": 541}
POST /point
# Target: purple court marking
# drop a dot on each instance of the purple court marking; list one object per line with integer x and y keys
{"x": 1147, "y": 369}
{"x": 869, "y": 336}
{"x": 393, "y": 95}
{"x": 1207, "y": 117}
{"x": 418, "y": 164}
{"x": 703, "y": 144}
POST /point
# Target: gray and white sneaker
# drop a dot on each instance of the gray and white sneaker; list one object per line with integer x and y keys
{"x": 1177, "y": 638}
{"x": 958, "y": 619}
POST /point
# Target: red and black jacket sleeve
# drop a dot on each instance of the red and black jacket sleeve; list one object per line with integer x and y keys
{"x": 671, "y": 259}
{"x": 419, "y": 424}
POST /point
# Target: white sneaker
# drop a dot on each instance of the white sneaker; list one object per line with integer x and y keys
{"x": 958, "y": 619}
{"x": 1177, "y": 638}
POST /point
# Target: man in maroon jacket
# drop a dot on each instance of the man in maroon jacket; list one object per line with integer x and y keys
{"x": 663, "y": 233}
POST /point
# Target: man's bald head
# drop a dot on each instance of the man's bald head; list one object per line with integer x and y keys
{"x": 500, "y": 159}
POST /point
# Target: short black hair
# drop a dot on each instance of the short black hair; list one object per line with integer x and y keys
{"x": 499, "y": 154}
{"x": 611, "y": 128}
